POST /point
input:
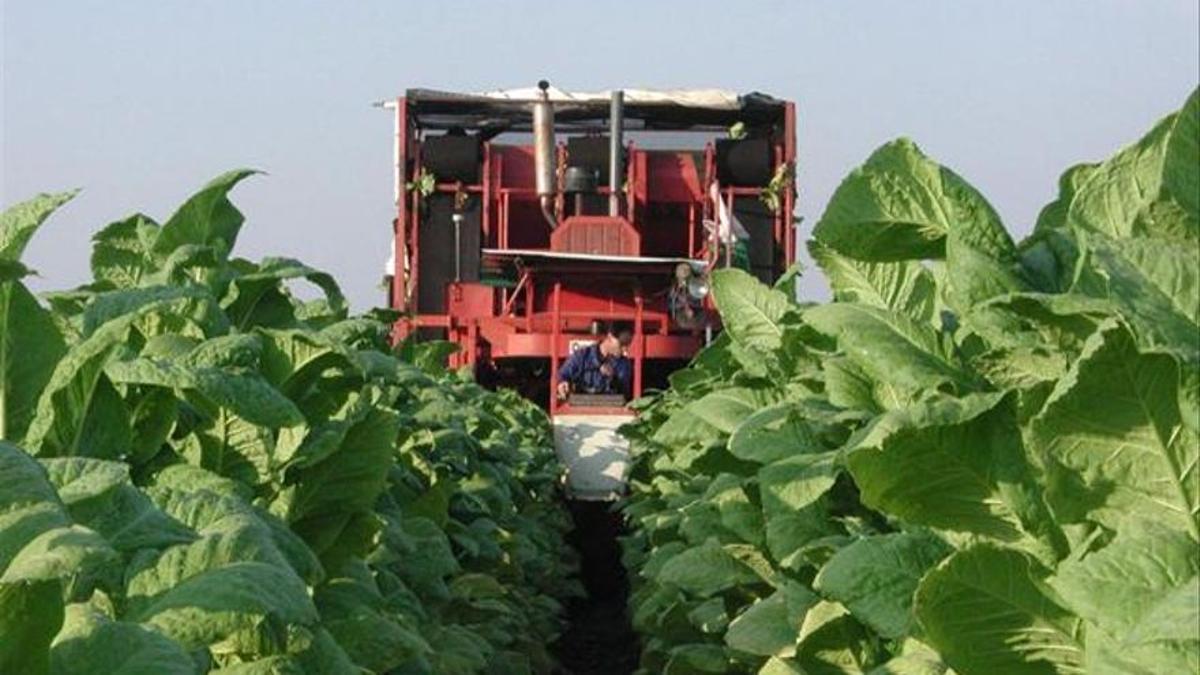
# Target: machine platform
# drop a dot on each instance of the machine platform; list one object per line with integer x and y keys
{"x": 595, "y": 457}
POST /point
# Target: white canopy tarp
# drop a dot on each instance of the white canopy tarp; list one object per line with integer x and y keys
{"x": 720, "y": 99}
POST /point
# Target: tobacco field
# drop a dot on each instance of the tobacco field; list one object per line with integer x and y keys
{"x": 981, "y": 457}
{"x": 201, "y": 472}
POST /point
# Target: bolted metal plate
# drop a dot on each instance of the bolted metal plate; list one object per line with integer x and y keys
{"x": 594, "y": 455}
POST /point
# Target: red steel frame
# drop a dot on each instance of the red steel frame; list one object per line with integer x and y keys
{"x": 476, "y": 313}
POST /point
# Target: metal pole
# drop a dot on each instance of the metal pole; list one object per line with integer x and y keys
{"x": 544, "y": 154}
{"x": 615, "y": 146}
{"x": 556, "y": 313}
{"x": 458, "y": 220}
{"x": 639, "y": 345}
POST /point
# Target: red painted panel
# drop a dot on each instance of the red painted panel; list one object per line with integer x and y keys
{"x": 538, "y": 345}
{"x": 672, "y": 177}
{"x": 598, "y": 235}
{"x": 468, "y": 301}
{"x": 518, "y": 164}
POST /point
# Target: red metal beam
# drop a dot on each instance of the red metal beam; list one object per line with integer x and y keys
{"x": 789, "y": 199}
{"x": 400, "y": 225}
{"x": 639, "y": 346}
{"x": 554, "y": 347}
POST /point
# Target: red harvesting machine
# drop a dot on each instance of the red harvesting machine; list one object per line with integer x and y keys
{"x": 527, "y": 218}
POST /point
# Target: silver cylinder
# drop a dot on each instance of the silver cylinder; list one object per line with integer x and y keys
{"x": 616, "y": 143}
{"x": 544, "y": 159}
{"x": 458, "y": 222}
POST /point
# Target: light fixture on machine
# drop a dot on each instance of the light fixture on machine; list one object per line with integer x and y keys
{"x": 686, "y": 299}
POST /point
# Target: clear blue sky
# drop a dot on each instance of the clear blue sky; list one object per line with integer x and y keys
{"x": 140, "y": 102}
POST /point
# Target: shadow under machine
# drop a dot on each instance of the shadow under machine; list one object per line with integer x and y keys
{"x": 527, "y": 218}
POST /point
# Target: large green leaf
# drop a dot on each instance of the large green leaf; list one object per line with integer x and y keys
{"x": 28, "y": 504}
{"x": 58, "y": 553}
{"x": 98, "y": 495}
{"x": 244, "y": 531}
{"x": 1155, "y": 284}
{"x": 790, "y": 484}
{"x": 257, "y": 296}
{"x": 1054, "y": 215}
{"x": 293, "y": 359}
{"x": 332, "y": 506}
{"x": 232, "y": 447}
{"x": 30, "y": 346}
{"x": 848, "y": 386}
{"x": 900, "y": 205}
{"x": 954, "y": 464}
{"x": 915, "y": 658}
{"x": 1031, "y": 340}
{"x": 157, "y": 310}
{"x": 771, "y": 433}
{"x": 751, "y": 313}
{"x": 729, "y": 496}
{"x": 79, "y": 411}
{"x": 712, "y": 415}
{"x": 248, "y": 395}
{"x": 213, "y": 604}
{"x": 706, "y": 569}
{"x": 1138, "y": 588}
{"x": 1165, "y": 640}
{"x": 892, "y": 348}
{"x": 903, "y": 286}
{"x": 37, "y": 540}
{"x": 1123, "y": 196}
{"x": 986, "y": 611}
{"x": 12, "y": 270}
{"x": 129, "y": 521}
{"x": 230, "y": 580}
{"x": 770, "y": 626}
{"x": 875, "y": 578}
{"x": 1052, "y": 324}
{"x": 23, "y": 482}
{"x": 975, "y": 275}
{"x": 120, "y": 251}
{"x": 80, "y": 478}
{"x": 20, "y": 221}
{"x": 1111, "y": 438}
{"x": 235, "y": 351}
{"x": 1181, "y": 168}
{"x": 777, "y": 666}
{"x": 694, "y": 659}
{"x": 31, "y": 613}
{"x": 1109, "y": 655}
{"x": 154, "y": 417}
{"x": 92, "y": 643}
{"x": 207, "y": 218}
{"x": 353, "y": 612}
{"x": 832, "y": 642}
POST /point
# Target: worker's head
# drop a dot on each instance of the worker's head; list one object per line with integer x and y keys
{"x": 617, "y": 338}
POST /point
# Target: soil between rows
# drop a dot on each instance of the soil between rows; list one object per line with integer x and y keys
{"x": 599, "y": 639}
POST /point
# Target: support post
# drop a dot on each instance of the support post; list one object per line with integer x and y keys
{"x": 639, "y": 345}
{"x": 555, "y": 313}
{"x": 616, "y": 120}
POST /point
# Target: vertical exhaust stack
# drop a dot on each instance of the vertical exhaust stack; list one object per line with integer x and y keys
{"x": 616, "y": 143}
{"x": 544, "y": 156}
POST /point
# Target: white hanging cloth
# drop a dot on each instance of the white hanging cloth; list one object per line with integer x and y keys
{"x": 728, "y": 228}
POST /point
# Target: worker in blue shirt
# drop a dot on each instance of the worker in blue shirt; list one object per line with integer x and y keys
{"x": 599, "y": 368}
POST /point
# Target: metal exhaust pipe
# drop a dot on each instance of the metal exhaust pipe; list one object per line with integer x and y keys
{"x": 458, "y": 222}
{"x": 544, "y": 157}
{"x": 616, "y": 119}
